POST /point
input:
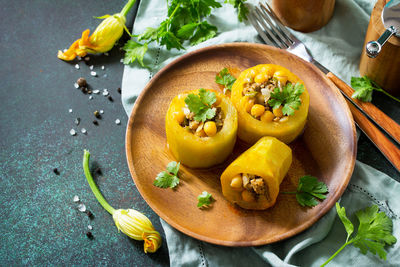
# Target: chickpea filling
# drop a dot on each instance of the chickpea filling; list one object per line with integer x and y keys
{"x": 252, "y": 186}
{"x": 257, "y": 92}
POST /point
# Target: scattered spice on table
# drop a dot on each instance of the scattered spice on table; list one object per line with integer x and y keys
{"x": 89, "y": 235}
{"x": 89, "y": 214}
{"x": 95, "y": 122}
{"x": 72, "y": 132}
{"x": 82, "y": 207}
{"x": 117, "y": 121}
{"x": 77, "y": 66}
{"x": 55, "y": 170}
{"x": 110, "y": 98}
{"x": 77, "y": 121}
{"x": 93, "y": 73}
{"x": 84, "y": 131}
{"x": 81, "y": 82}
{"x": 97, "y": 114}
{"x": 76, "y": 198}
{"x": 119, "y": 90}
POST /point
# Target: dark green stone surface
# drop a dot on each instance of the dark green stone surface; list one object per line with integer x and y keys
{"x": 40, "y": 224}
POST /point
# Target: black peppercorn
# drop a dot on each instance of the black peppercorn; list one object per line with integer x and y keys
{"x": 89, "y": 235}
{"x": 81, "y": 82}
{"x": 55, "y": 170}
{"x": 110, "y": 98}
{"x": 98, "y": 171}
{"x": 119, "y": 90}
{"x": 97, "y": 114}
{"x": 89, "y": 213}
{"x": 95, "y": 122}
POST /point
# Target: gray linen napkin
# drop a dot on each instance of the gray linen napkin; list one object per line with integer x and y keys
{"x": 337, "y": 46}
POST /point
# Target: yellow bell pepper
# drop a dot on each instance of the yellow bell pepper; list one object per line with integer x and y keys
{"x": 103, "y": 38}
{"x": 270, "y": 159}
{"x": 195, "y": 151}
{"x": 252, "y": 129}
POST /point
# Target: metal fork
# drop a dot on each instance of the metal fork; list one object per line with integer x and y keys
{"x": 274, "y": 33}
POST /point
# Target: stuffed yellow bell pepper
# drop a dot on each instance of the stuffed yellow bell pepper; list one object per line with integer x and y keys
{"x": 271, "y": 101}
{"x": 252, "y": 181}
{"x": 201, "y": 127}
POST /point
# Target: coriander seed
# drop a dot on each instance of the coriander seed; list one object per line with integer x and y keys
{"x": 81, "y": 82}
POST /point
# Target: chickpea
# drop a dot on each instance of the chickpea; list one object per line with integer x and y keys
{"x": 201, "y": 133}
{"x": 179, "y": 116}
{"x": 247, "y": 196}
{"x": 278, "y": 111}
{"x": 236, "y": 182}
{"x": 281, "y": 76}
{"x": 210, "y": 128}
{"x": 268, "y": 116}
{"x": 249, "y": 104}
{"x": 257, "y": 110}
{"x": 260, "y": 78}
{"x": 268, "y": 71}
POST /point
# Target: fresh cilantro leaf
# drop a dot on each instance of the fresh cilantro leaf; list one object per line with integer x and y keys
{"x": 201, "y": 104}
{"x": 341, "y": 211}
{"x": 187, "y": 30}
{"x": 373, "y": 234}
{"x": 309, "y": 191}
{"x": 204, "y": 32}
{"x": 204, "y": 199}
{"x": 289, "y": 97}
{"x": 362, "y": 88}
{"x": 170, "y": 41}
{"x": 173, "y": 167}
{"x": 133, "y": 51}
{"x": 168, "y": 178}
{"x": 149, "y": 34}
{"x": 241, "y": 8}
{"x": 225, "y": 78}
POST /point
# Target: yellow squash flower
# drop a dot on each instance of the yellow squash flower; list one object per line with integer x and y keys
{"x": 103, "y": 38}
{"x": 131, "y": 222}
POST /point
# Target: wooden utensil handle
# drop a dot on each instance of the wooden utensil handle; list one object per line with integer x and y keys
{"x": 388, "y": 149}
{"x": 374, "y": 113}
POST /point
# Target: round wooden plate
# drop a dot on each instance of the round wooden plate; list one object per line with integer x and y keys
{"x": 327, "y": 150}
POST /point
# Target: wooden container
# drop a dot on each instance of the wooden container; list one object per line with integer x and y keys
{"x": 303, "y": 15}
{"x": 385, "y": 68}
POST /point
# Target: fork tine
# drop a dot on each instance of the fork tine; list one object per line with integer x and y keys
{"x": 260, "y": 18}
{"x": 260, "y": 31}
{"x": 275, "y": 27}
{"x": 282, "y": 28}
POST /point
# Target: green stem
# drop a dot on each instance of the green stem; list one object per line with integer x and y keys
{"x": 386, "y": 93}
{"x": 289, "y": 193}
{"x": 92, "y": 184}
{"x": 337, "y": 252}
{"x": 127, "y": 7}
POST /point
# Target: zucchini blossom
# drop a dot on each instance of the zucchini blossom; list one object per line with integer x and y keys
{"x": 102, "y": 39}
{"x": 131, "y": 222}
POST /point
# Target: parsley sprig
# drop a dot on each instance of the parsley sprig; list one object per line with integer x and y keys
{"x": 374, "y": 231}
{"x": 289, "y": 97}
{"x": 186, "y": 20}
{"x": 168, "y": 178}
{"x": 204, "y": 199}
{"x": 309, "y": 191}
{"x": 364, "y": 87}
{"x": 225, "y": 78}
{"x": 201, "y": 105}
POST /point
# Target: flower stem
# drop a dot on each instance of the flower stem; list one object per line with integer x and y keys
{"x": 92, "y": 184}
{"x": 337, "y": 252}
{"x": 127, "y": 7}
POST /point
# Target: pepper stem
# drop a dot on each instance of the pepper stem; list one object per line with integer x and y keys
{"x": 127, "y": 7}
{"x": 92, "y": 184}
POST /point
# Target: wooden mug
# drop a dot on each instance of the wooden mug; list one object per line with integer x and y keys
{"x": 385, "y": 68}
{"x": 303, "y": 15}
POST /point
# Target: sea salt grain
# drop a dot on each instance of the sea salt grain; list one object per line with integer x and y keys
{"x": 82, "y": 207}
{"x": 83, "y": 130}
{"x": 90, "y": 227}
{"x": 90, "y": 97}
{"x": 102, "y": 67}
{"x": 121, "y": 60}
{"x": 77, "y": 66}
{"x": 76, "y": 85}
{"x": 76, "y": 199}
{"x": 72, "y": 132}
{"x": 77, "y": 121}
{"x": 105, "y": 92}
{"x": 93, "y": 73}
{"x": 101, "y": 111}
{"x": 117, "y": 121}
{"x": 91, "y": 67}
{"x": 96, "y": 91}
{"x": 70, "y": 110}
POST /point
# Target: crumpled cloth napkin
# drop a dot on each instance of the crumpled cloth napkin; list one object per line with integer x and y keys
{"x": 337, "y": 46}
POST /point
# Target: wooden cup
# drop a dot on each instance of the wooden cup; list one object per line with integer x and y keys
{"x": 303, "y": 15}
{"x": 385, "y": 68}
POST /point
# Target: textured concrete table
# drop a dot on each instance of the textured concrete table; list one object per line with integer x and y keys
{"x": 40, "y": 223}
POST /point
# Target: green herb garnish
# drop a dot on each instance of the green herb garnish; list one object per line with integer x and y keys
{"x": 186, "y": 20}
{"x": 289, "y": 97}
{"x": 225, "y": 78}
{"x": 240, "y": 7}
{"x": 201, "y": 105}
{"x": 374, "y": 231}
{"x": 309, "y": 191}
{"x": 363, "y": 88}
{"x": 168, "y": 178}
{"x": 204, "y": 199}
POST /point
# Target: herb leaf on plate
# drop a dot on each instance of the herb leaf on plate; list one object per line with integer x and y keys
{"x": 201, "y": 104}
{"x": 204, "y": 199}
{"x": 168, "y": 178}
{"x": 309, "y": 191}
{"x": 289, "y": 97}
{"x": 225, "y": 78}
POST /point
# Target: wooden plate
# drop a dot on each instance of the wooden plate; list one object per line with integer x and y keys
{"x": 327, "y": 149}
